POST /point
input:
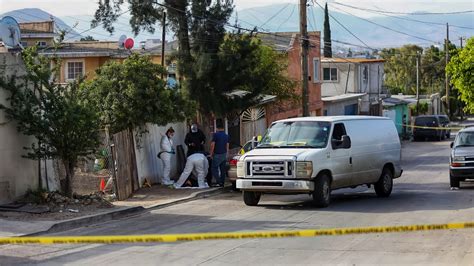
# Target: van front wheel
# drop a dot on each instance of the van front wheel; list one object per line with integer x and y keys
{"x": 251, "y": 198}
{"x": 383, "y": 187}
{"x": 322, "y": 191}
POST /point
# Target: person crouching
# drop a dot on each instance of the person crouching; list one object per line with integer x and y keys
{"x": 198, "y": 165}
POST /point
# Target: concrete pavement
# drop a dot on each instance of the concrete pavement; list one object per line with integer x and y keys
{"x": 420, "y": 196}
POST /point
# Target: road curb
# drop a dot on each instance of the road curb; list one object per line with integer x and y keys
{"x": 129, "y": 211}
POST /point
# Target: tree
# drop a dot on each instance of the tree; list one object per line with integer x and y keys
{"x": 130, "y": 94}
{"x": 461, "y": 71}
{"x": 65, "y": 127}
{"x": 87, "y": 38}
{"x": 400, "y": 68}
{"x": 241, "y": 63}
{"x": 327, "y": 34}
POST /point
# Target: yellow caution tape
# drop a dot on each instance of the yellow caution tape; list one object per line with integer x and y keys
{"x": 234, "y": 235}
{"x": 436, "y": 128}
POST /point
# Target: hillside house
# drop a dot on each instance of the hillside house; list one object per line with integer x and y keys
{"x": 353, "y": 82}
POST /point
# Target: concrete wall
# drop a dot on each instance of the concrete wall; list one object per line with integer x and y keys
{"x": 148, "y": 164}
{"x": 17, "y": 174}
{"x": 337, "y": 108}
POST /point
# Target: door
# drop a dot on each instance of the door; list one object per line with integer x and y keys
{"x": 341, "y": 161}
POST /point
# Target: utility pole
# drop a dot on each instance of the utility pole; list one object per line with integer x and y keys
{"x": 304, "y": 55}
{"x": 417, "y": 84}
{"x": 460, "y": 40}
{"x": 163, "y": 42}
{"x": 446, "y": 50}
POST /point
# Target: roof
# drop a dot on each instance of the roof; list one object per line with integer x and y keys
{"x": 351, "y": 60}
{"x": 342, "y": 97}
{"x": 170, "y": 47}
{"x": 393, "y": 101}
{"x": 467, "y": 128}
{"x": 334, "y": 118}
{"x": 283, "y": 41}
{"x": 73, "y": 52}
{"x": 265, "y": 98}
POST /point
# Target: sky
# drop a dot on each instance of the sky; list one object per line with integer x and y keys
{"x": 87, "y": 7}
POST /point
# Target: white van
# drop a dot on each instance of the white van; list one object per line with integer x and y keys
{"x": 315, "y": 155}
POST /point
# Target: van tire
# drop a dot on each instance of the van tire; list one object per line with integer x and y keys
{"x": 322, "y": 191}
{"x": 383, "y": 187}
{"x": 453, "y": 181}
{"x": 251, "y": 198}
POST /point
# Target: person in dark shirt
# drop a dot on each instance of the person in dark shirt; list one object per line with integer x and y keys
{"x": 219, "y": 150}
{"x": 195, "y": 140}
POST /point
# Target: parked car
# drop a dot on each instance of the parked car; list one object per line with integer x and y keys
{"x": 232, "y": 172}
{"x": 431, "y": 126}
{"x": 314, "y": 155}
{"x": 461, "y": 165}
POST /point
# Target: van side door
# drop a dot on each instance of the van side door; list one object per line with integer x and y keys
{"x": 341, "y": 161}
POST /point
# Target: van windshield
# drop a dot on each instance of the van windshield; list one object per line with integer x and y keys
{"x": 298, "y": 134}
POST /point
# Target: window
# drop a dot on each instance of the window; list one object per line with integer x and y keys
{"x": 41, "y": 44}
{"x": 330, "y": 74}
{"x": 24, "y": 44}
{"x": 365, "y": 74}
{"x": 316, "y": 70}
{"x": 337, "y": 133}
{"x": 74, "y": 70}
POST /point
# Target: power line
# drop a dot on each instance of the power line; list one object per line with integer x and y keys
{"x": 342, "y": 25}
{"x": 276, "y": 14}
{"x": 388, "y": 28}
{"x": 408, "y": 13}
{"x": 386, "y": 13}
{"x": 288, "y": 18}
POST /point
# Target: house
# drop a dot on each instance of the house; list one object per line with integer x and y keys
{"x": 398, "y": 110}
{"x": 40, "y": 33}
{"x": 351, "y": 79}
{"x": 289, "y": 45}
{"x": 83, "y": 58}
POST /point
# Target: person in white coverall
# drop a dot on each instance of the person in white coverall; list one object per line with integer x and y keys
{"x": 198, "y": 165}
{"x": 165, "y": 155}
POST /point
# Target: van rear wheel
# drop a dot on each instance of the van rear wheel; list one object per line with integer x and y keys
{"x": 251, "y": 198}
{"x": 322, "y": 191}
{"x": 383, "y": 187}
{"x": 453, "y": 181}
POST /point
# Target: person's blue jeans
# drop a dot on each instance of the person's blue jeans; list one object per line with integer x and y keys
{"x": 219, "y": 165}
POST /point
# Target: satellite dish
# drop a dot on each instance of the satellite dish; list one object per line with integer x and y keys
{"x": 121, "y": 41}
{"x": 10, "y": 32}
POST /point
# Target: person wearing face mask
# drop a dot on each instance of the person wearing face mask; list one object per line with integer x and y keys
{"x": 195, "y": 140}
{"x": 167, "y": 151}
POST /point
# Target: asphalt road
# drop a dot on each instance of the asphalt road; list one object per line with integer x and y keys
{"x": 420, "y": 196}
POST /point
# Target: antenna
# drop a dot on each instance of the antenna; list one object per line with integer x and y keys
{"x": 10, "y": 32}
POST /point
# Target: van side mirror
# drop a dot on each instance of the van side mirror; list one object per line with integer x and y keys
{"x": 346, "y": 142}
{"x": 343, "y": 143}
{"x": 452, "y": 144}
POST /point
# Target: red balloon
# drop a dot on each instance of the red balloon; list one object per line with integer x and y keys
{"x": 129, "y": 43}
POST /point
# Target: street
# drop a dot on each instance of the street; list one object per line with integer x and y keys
{"x": 420, "y": 196}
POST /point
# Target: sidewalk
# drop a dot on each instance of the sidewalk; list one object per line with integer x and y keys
{"x": 21, "y": 224}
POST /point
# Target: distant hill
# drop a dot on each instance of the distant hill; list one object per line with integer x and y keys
{"x": 287, "y": 20}
{"x": 371, "y": 34}
{"x": 36, "y": 14}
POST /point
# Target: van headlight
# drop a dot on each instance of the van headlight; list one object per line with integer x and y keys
{"x": 240, "y": 169}
{"x": 458, "y": 158}
{"x": 304, "y": 169}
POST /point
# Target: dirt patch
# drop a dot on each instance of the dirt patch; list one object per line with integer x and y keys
{"x": 57, "y": 207}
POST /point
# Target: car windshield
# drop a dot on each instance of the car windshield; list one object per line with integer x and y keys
{"x": 464, "y": 139}
{"x": 296, "y": 134}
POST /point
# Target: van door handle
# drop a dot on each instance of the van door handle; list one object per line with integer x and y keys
{"x": 350, "y": 160}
